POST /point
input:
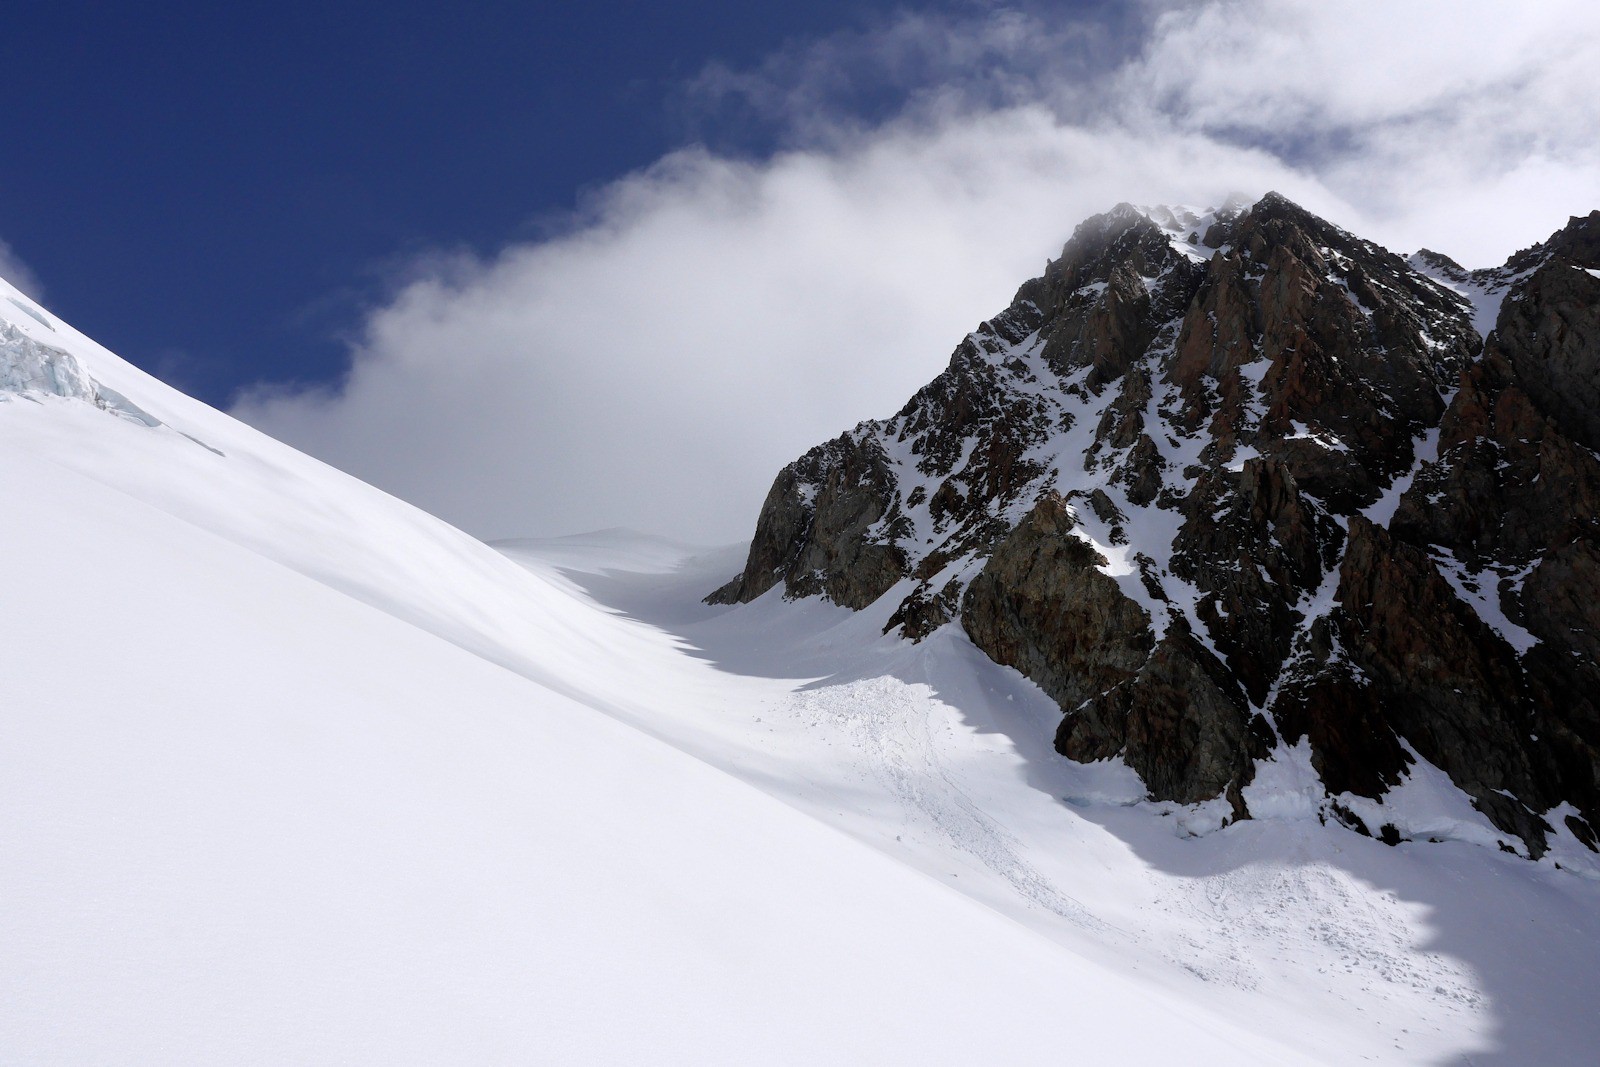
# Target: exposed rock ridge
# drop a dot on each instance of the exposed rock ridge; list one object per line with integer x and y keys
{"x": 1226, "y": 481}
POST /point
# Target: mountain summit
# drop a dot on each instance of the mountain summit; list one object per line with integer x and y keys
{"x": 1240, "y": 489}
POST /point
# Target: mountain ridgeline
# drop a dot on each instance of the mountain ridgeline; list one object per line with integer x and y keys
{"x": 1235, "y": 485}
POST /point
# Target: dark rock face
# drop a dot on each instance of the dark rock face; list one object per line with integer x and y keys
{"x": 1253, "y": 546}
{"x": 1442, "y": 678}
{"x": 1224, "y": 482}
{"x": 1042, "y": 605}
{"x": 1551, "y": 337}
{"x": 815, "y": 529}
{"x": 1181, "y": 723}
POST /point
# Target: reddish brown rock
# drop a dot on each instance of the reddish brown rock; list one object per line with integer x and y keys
{"x": 1042, "y": 605}
{"x": 1232, "y": 409}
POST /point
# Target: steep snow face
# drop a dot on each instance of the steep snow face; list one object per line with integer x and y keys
{"x": 1484, "y": 289}
{"x": 296, "y": 773}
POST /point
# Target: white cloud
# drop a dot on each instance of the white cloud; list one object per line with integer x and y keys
{"x": 712, "y": 317}
{"x": 1464, "y": 124}
{"x": 18, "y": 273}
{"x": 1273, "y": 65}
{"x": 814, "y": 91}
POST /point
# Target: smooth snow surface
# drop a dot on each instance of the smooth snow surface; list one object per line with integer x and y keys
{"x": 1341, "y": 947}
{"x": 295, "y": 773}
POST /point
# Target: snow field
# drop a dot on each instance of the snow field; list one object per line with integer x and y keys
{"x": 1333, "y": 943}
{"x": 296, "y": 773}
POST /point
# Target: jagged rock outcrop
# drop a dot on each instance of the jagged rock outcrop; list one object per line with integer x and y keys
{"x": 1226, "y": 482}
{"x": 1042, "y": 604}
{"x": 1253, "y": 546}
{"x": 1181, "y": 722}
{"x": 1444, "y": 680}
{"x": 816, "y": 529}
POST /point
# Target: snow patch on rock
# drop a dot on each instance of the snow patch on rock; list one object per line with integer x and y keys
{"x": 1428, "y": 806}
{"x": 1286, "y": 785}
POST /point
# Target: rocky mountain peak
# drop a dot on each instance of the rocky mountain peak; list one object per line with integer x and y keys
{"x": 1233, "y": 483}
{"x": 1440, "y": 265}
{"x": 1578, "y": 243}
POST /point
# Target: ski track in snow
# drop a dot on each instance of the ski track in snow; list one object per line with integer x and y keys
{"x": 1259, "y": 919}
{"x": 891, "y": 727}
{"x": 1241, "y": 928}
{"x": 1309, "y": 930}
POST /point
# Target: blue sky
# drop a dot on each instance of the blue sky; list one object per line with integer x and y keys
{"x": 541, "y": 270}
{"x": 217, "y": 190}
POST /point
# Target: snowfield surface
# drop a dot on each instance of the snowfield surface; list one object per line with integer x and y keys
{"x": 295, "y": 773}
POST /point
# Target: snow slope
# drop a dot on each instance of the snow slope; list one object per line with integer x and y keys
{"x": 1335, "y": 944}
{"x": 295, "y": 773}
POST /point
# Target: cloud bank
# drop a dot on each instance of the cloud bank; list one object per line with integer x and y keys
{"x": 709, "y": 318}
